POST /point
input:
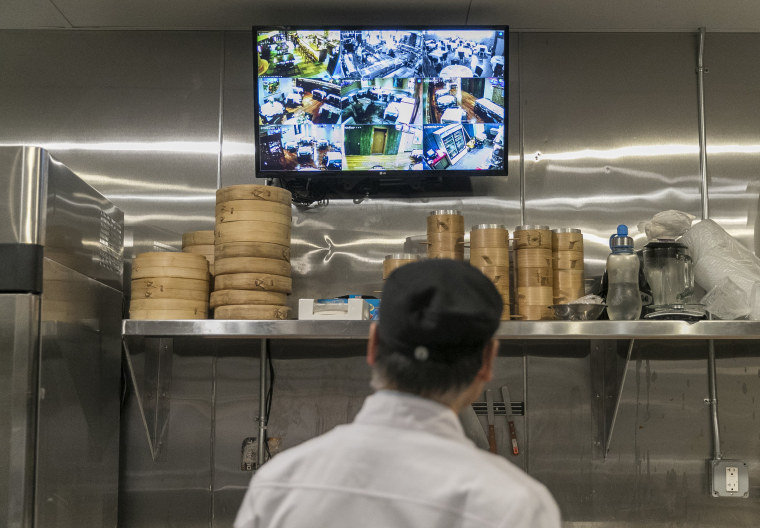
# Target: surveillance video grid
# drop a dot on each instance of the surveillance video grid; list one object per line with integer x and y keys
{"x": 381, "y": 100}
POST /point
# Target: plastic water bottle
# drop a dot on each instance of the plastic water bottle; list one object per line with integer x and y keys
{"x": 623, "y": 297}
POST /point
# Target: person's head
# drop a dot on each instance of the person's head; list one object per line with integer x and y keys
{"x": 435, "y": 333}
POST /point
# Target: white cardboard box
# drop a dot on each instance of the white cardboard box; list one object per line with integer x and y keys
{"x": 333, "y": 309}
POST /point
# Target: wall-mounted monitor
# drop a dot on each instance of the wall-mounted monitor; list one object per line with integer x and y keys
{"x": 404, "y": 102}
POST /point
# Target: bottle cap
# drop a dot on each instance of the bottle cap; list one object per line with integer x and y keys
{"x": 621, "y": 240}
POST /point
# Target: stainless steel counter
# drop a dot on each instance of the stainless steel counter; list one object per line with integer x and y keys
{"x": 561, "y": 330}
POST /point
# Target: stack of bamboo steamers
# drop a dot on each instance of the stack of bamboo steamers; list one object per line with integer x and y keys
{"x": 252, "y": 253}
{"x": 445, "y": 234}
{"x": 489, "y": 252}
{"x": 567, "y": 259}
{"x": 489, "y": 247}
{"x": 533, "y": 250}
{"x": 549, "y": 269}
{"x": 202, "y": 243}
{"x": 169, "y": 285}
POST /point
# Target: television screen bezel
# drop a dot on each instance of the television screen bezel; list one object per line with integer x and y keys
{"x": 357, "y": 175}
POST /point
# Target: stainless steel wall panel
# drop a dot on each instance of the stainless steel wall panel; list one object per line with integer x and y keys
{"x": 135, "y": 114}
{"x": 238, "y": 153}
{"x": 332, "y": 257}
{"x": 732, "y": 89}
{"x": 236, "y": 408}
{"x": 175, "y": 488}
{"x": 610, "y": 131}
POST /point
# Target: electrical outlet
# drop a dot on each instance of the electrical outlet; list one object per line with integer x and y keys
{"x": 729, "y": 478}
{"x": 248, "y": 454}
{"x": 732, "y": 478}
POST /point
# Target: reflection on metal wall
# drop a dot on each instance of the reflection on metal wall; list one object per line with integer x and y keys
{"x": 134, "y": 113}
{"x": 608, "y": 128}
{"x": 610, "y": 132}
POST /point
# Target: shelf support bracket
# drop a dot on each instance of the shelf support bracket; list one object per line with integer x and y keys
{"x": 152, "y": 387}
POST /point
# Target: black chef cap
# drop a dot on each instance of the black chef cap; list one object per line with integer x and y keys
{"x": 438, "y": 308}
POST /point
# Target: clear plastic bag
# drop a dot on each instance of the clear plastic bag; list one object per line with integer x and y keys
{"x": 727, "y": 301}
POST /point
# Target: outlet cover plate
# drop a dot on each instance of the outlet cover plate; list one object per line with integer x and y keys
{"x": 718, "y": 485}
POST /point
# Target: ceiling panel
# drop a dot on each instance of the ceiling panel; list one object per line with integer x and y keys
{"x": 238, "y": 14}
{"x": 521, "y": 15}
{"x": 619, "y": 15}
{"x": 15, "y": 14}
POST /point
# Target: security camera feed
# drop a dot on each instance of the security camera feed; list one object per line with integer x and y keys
{"x": 354, "y": 101}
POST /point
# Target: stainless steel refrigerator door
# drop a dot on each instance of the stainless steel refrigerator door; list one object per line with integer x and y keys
{"x": 78, "y": 415}
{"x": 19, "y": 342}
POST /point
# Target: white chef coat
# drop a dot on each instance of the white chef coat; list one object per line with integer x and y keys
{"x": 403, "y": 463}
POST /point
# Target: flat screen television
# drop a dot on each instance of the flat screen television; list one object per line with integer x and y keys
{"x": 380, "y": 102}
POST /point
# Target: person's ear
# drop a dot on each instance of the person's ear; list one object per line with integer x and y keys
{"x": 372, "y": 345}
{"x": 490, "y": 351}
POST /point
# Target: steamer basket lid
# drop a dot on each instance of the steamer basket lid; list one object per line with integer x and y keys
{"x": 531, "y": 227}
{"x": 489, "y": 226}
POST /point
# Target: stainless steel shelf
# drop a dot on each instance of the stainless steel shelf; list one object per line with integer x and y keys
{"x": 519, "y": 330}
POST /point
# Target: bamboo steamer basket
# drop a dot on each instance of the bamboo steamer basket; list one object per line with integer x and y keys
{"x": 161, "y": 284}
{"x": 491, "y": 256}
{"x": 535, "y": 295}
{"x": 266, "y": 193}
{"x": 169, "y": 293}
{"x": 141, "y": 272}
{"x": 535, "y": 277}
{"x": 171, "y": 259}
{"x": 249, "y": 231}
{"x": 569, "y": 277}
{"x": 443, "y": 254}
{"x": 254, "y": 281}
{"x": 534, "y": 258}
{"x": 499, "y": 275}
{"x": 160, "y": 315}
{"x": 568, "y": 260}
{"x": 170, "y": 264}
{"x": 229, "y": 265}
{"x": 568, "y": 286}
{"x": 535, "y": 312}
{"x": 533, "y": 237}
{"x": 506, "y": 314}
{"x": 445, "y": 241}
{"x": 197, "y": 238}
{"x": 252, "y": 312}
{"x": 207, "y": 250}
{"x": 394, "y": 261}
{"x": 231, "y": 208}
{"x": 253, "y": 249}
{"x": 232, "y": 297}
{"x": 567, "y": 295}
{"x": 252, "y": 210}
{"x": 567, "y": 239}
{"x": 201, "y": 243}
{"x": 489, "y": 236}
{"x": 169, "y": 304}
{"x": 445, "y": 221}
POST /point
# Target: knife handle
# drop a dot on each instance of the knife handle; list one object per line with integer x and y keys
{"x": 513, "y": 435}
{"x": 491, "y": 438}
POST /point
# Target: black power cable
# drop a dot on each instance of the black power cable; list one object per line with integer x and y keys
{"x": 268, "y": 403}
